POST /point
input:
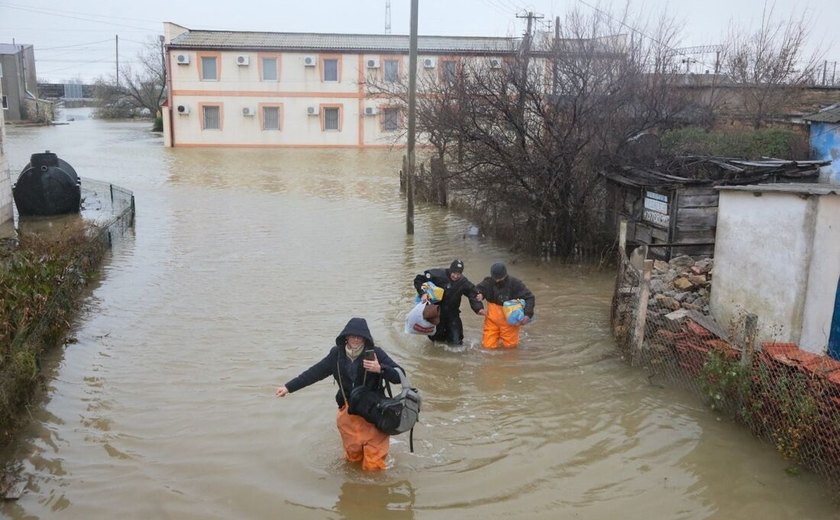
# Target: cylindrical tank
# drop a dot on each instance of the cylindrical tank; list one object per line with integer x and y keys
{"x": 47, "y": 186}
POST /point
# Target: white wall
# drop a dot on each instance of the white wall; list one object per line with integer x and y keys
{"x": 777, "y": 255}
{"x": 5, "y": 181}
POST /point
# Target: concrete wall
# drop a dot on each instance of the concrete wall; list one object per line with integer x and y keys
{"x": 5, "y": 180}
{"x": 777, "y": 255}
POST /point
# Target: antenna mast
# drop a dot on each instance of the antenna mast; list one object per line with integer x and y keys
{"x": 387, "y": 16}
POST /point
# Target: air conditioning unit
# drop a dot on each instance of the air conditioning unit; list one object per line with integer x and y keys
{"x": 495, "y": 63}
{"x": 312, "y": 111}
{"x": 248, "y": 111}
{"x": 371, "y": 111}
{"x": 373, "y": 63}
{"x": 429, "y": 63}
{"x": 183, "y": 109}
{"x": 309, "y": 61}
{"x": 243, "y": 60}
{"x": 182, "y": 59}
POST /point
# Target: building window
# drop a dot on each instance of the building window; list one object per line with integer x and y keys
{"x": 390, "y": 119}
{"x": 330, "y": 66}
{"x": 391, "y": 71}
{"x": 269, "y": 69}
{"x": 271, "y": 118}
{"x": 209, "y": 71}
{"x": 448, "y": 71}
{"x": 5, "y": 103}
{"x": 332, "y": 118}
{"x": 211, "y": 117}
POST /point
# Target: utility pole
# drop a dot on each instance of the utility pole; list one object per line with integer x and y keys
{"x": 412, "y": 108}
{"x": 555, "y": 57}
{"x": 118, "y": 59}
{"x": 524, "y": 56}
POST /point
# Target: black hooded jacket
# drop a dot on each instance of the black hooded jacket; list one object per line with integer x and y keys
{"x": 338, "y": 364}
{"x": 508, "y": 289}
{"x": 452, "y": 291}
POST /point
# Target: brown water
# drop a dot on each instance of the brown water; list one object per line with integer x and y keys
{"x": 243, "y": 267}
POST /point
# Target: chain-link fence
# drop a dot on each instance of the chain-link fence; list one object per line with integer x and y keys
{"x": 19, "y": 360}
{"x": 789, "y": 397}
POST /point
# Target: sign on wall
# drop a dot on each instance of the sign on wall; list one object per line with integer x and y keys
{"x": 656, "y": 208}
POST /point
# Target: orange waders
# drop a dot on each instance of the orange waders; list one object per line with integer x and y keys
{"x": 362, "y": 441}
{"x": 496, "y": 327}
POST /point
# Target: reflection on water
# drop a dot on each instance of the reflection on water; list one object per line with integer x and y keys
{"x": 242, "y": 268}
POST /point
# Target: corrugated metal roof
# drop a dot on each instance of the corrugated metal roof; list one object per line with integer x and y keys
{"x": 724, "y": 171}
{"x": 341, "y": 42}
{"x": 829, "y": 115}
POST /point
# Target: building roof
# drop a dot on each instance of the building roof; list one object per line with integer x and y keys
{"x": 798, "y": 188}
{"x": 716, "y": 171}
{"x": 829, "y": 115}
{"x": 12, "y": 48}
{"x": 201, "y": 39}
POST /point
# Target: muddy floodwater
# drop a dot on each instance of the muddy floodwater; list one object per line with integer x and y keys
{"x": 242, "y": 268}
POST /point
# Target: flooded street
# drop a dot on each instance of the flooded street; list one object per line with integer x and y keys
{"x": 242, "y": 268}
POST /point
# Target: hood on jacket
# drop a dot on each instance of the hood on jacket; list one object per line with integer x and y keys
{"x": 355, "y": 327}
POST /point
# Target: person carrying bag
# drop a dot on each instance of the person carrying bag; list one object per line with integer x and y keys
{"x": 363, "y": 442}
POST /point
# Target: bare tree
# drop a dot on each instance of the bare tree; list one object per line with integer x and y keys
{"x": 770, "y": 65}
{"x": 524, "y": 154}
{"x": 140, "y": 90}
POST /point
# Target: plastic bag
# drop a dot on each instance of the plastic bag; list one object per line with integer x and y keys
{"x": 434, "y": 292}
{"x": 415, "y": 323}
{"x": 514, "y": 311}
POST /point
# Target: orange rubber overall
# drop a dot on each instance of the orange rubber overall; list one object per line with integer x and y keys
{"x": 496, "y": 327}
{"x": 362, "y": 441}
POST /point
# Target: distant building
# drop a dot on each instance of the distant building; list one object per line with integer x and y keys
{"x": 265, "y": 89}
{"x": 19, "y": 80}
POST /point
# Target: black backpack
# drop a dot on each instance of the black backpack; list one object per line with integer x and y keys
{"x": 391, "y": 415}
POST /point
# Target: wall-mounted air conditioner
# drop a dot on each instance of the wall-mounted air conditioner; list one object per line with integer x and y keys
{"x": 312, "y": 111}
{"x": 429, "y": 63}
{"x": 183, "y": 109}
{"x": 371, "y": 111}
{"x": 248, "y": 111}
{"x": 309, "y": 61}
{"x": 182, "y": 59}
{"x": 373, "y": 63}
{"x": 495, "y": 63}
{"x": 243, "y": 60}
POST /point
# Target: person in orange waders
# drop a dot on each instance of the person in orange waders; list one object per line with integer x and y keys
{"x": 495, "y": 290}
{"x": 353, "y": 361}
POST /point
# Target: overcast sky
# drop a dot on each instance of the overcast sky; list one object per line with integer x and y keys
{"x": 76, "y": 39}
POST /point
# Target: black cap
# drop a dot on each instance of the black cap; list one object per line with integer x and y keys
{"x": 498, "y": 270}
{"x": 456, "y": 266}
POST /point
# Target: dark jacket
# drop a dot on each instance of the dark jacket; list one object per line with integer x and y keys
{"x": 452, "y": 291}
{"x": 508, "y": 289}
{"x": 349, "y": 373}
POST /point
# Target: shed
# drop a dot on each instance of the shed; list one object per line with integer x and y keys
{"x": 825, "y": 140}
{"x": 673, "y": 209}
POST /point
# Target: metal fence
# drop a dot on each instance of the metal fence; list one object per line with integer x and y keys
{"x": 788, "y": 397}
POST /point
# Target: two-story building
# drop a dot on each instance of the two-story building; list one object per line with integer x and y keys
{"x": 271, "y": 89}
{"x": 18, "y": 80}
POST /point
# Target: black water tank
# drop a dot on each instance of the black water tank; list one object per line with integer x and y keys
{"x": 47, "y": 186}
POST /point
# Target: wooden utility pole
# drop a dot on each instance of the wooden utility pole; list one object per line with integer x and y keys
{"x": 412, "y": 108}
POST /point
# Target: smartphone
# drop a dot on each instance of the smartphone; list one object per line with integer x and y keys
{"x": 369, "y": 354}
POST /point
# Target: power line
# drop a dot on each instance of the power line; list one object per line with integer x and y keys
{"x": 67, "y": 14}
